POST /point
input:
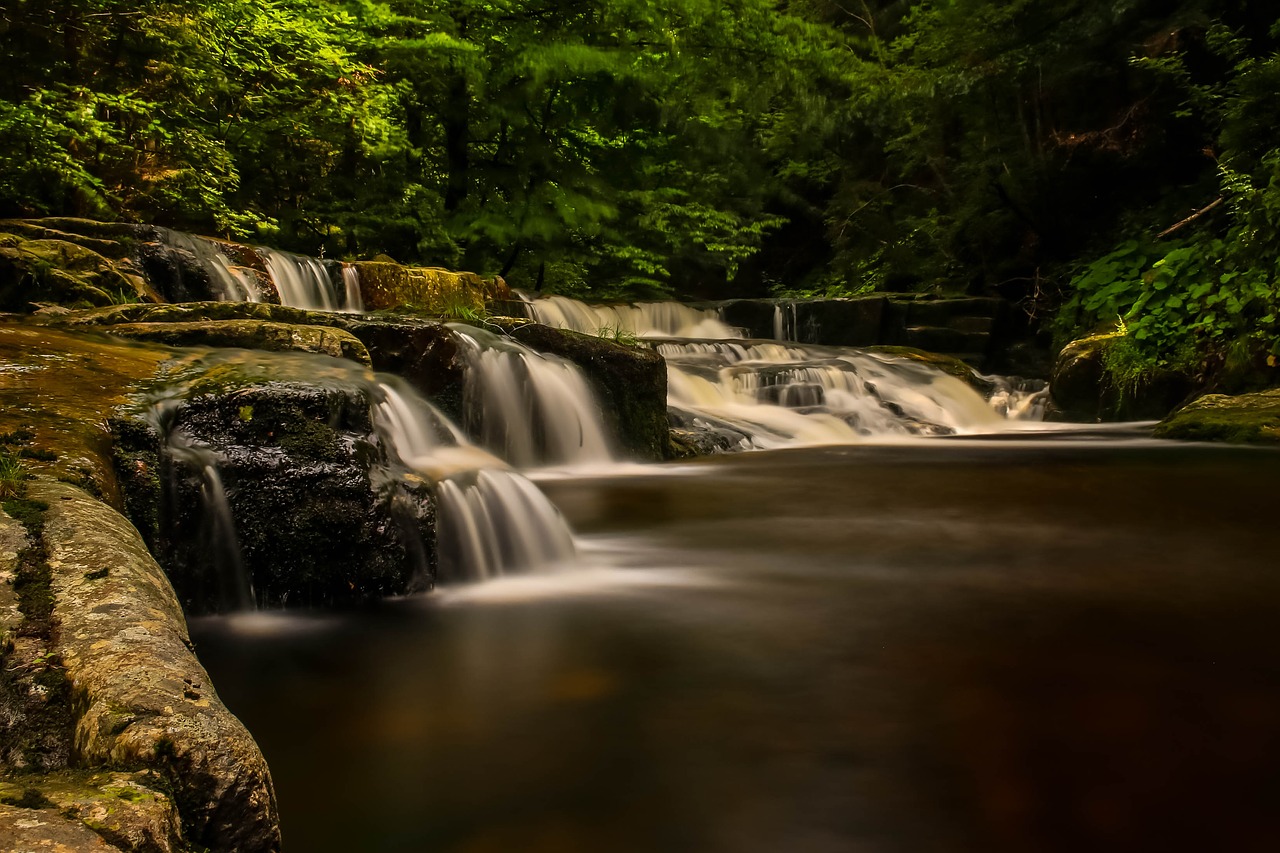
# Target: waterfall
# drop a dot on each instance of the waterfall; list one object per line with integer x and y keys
{"x": 762, "y": 395}
{"x": 786, "y": 322}
{"x": 491, "y": 521}
{"x": 222, "y": 542}
{"x": 229, "y": 283}
{"x": 643, "y": 319}
{"x": 302, "y": 282}
{"x": 495, "y": 523}
{"x": 531, "y": 409}
{"x": 217, "y": 539}
{"x": 353, "y": 299}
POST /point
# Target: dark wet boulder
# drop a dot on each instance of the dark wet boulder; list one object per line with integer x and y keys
{"x": 1242, "y": 419}
{"x": 311, "y": 515}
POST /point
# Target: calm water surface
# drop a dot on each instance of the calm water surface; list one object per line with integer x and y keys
{"x": 951, "y": 646}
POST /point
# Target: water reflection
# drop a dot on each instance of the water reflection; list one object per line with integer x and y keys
{"x": 1057, "y": 647}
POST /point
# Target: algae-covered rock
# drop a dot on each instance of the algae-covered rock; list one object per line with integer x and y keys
{"x": 1246, "y": 418}
{"x": 629, "y": 381}
{"x": 23, "y": 830}
{"x": 129, "y": 810}
{"x": 438, "y": 291}
{"x": 249, "y": 334}
{"x": 142, "y": 699}
{"x": 62, "y": 272}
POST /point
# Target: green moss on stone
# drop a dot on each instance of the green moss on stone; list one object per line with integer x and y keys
{"x": 1244, "y": 419}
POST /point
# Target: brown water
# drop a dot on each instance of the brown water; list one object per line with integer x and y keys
{"x": 953, "y": 646}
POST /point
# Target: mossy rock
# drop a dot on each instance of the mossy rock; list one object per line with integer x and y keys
{"x": 437, "y": 291}
{"x": 1244, "y": 419}
{"x": 249, "y": 334}
{"x": 1082, "y": 390}
{"x": 197, "y": 312}
{"x": 61, "y": 272}
{"x": 40, "y": 229}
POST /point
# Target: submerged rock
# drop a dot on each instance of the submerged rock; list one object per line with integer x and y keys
{"x": 1246, "y": 418}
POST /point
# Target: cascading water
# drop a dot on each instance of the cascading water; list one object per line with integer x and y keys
{"x": 768, "y": 394}
{"x": 301, "y": 281}
{"x": 491, "y": 520}
{"x": 230, "y": 283}
{"x": 218, "y": 541}
{"x": 786, "y": 322}
{"x": 765, "y": 395}
{"x": 531, "y": 409}
{"x": 643, "y": 319}
{"x": 354, "y": 300}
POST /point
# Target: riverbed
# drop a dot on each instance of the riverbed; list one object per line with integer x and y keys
{"x": 1035, "y": 643}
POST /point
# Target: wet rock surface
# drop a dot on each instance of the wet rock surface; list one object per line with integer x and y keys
{"x": 314, "y": 517}
{"x": 249, "y": 334}
{"x": 1242, "y": 419}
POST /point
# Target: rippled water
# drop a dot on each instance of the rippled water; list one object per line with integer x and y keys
{"x": 956, "y": 646}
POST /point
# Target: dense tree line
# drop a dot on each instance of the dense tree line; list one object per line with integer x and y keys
{"x": 1040, "y": 150}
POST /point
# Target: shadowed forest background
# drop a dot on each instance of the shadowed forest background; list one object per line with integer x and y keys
{"x": 1056, "y": 154}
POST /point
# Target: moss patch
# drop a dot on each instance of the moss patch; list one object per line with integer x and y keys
{"x": 1244, "y": 419}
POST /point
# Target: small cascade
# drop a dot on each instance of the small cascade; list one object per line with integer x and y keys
{"x": 643, "y": 319}
{"x": 760, "y": 395}
{"x": 301, "y": 281}
{"x": 1019, "y": 399}
{"x": 223, "y": 544}
{"x": 217, "y": 539}
{"x": 529, "y": 408}
{"x": 497, "y": 522}
{"x": 353, "y": 300}
{"x": 786, "y": 322}
{"x": 491, "y": 521}
{"x": 230, "y": 283}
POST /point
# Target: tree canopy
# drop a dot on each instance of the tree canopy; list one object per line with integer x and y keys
{"x": 1108, "y": 163}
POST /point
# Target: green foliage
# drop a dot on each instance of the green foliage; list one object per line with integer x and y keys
{"x": 618, "y": 335}
{"x": 13, "y": 475}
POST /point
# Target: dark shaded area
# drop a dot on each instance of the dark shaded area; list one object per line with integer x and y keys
{"x": 953, "y": 647}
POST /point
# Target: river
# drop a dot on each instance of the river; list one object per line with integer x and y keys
{"x": 1025, "y": 644}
